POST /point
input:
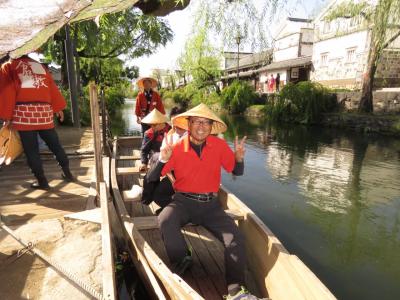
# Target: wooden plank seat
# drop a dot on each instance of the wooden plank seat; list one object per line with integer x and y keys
{"x": 133, "y": 155}
{"x": 151, "y": 222}
{"x": 128, "y": 171}
{"x": 128, "y": 157}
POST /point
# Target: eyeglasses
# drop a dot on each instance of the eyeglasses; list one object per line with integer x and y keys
{"x": 201, "y": 122}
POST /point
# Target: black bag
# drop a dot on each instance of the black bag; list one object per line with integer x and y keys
{"x": 148, "y": 190}
{"x": 160, "y": 192}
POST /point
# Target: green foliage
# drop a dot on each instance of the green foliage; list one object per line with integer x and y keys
{"x": 131, "y": 93}
{"x": 201, "y": 60}
{"x": 249, "y": 19}
{"x": 190, "y": 95}
{"x": 238, "y": 96}
{"x": 115, "y": 97}
{"x": 84, "y": 108}
{"x": 304, "y": 102}
{"x": 128, "y": 33}
{"x": 350, "y": 10}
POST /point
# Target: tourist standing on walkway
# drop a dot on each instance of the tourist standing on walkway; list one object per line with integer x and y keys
{"x": 147, "y": 100}
{"x": 271, "y": 83}
{"x": 277, "y": 82}
{"x": 29, "y": 99}
{"x": 196, "y": 161}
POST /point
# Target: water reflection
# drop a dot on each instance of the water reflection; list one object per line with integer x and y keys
{"x": 124, "y": 121}
{"x": 334, "y": 200}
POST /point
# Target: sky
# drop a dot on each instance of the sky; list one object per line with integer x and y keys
{"x": 181, "y": 25}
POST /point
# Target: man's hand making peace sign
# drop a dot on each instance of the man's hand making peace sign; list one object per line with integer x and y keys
{"x": 166, "y": 149}
{"x": 239, "y": 149}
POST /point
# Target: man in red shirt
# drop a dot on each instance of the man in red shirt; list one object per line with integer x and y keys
{"x": 29, "y": 99}
{"x": 147, "y": 100}
{"x": 196, "y": 162}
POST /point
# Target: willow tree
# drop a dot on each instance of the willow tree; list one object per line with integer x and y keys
{"x": 114, "y": 37}
{"x": 201, "y": 60}
{"x": 383, "y": 22}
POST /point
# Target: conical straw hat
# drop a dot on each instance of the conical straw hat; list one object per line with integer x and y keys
{"x": 155, "y": 117}
{"x": 141, "y": 84}
{"x": 201, "y": 111}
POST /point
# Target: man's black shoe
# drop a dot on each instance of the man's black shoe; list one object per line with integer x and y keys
{"x": 185, "y": 264}
{"x": 67, "y": 176}
{"x": 42, "y": 186}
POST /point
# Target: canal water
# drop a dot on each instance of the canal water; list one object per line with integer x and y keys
{"x": 332, "y": 198}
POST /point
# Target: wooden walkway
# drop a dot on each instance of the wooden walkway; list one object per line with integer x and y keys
{"x": 20, "y": 204}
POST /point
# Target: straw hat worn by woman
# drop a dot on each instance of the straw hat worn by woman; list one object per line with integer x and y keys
{"x": 151, "y": 144}
{"x": 154, "y": 136}
{"x": 197, "y": 170}
{"x": 147, "y": 100}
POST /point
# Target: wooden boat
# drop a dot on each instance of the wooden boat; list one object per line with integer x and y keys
{"x": 271, "y": 270}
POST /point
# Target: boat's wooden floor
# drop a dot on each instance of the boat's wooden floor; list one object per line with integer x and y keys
{"x": 19, "y": 203}
{"x": 207, "y": 274}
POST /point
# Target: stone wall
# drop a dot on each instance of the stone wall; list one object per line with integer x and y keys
{"x": 384, "y": 101}
{"x": 388, "y": 125}
{"x": 388, "y": 70}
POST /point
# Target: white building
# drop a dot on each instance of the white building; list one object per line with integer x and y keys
{"x": 291, "y": 53}
{"x": 341, "y": 49}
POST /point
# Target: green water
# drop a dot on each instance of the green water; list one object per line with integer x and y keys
{"x": 331, "y": 197}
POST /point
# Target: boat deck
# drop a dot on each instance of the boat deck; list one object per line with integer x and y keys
{"x": 207, "y": 273}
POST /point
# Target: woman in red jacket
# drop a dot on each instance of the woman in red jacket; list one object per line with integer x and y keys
{"x": 147, "y": 100}
{"x": 29, "y": 99}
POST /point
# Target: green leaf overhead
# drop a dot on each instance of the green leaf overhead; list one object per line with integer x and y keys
{"x": 25, "y": 25}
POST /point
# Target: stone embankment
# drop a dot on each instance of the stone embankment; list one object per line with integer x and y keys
{"x": 383, "y": 124}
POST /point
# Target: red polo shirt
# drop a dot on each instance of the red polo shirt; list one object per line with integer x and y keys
{"x": 202, "y": 174}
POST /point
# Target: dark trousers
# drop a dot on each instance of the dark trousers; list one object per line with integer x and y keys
{"x": 29, "y": 140}
{"x": 210, "y": 215}
{"x": 144, "y": 128}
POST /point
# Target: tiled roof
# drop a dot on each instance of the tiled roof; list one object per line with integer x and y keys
{"x": 252, "y": 60}
{"x": 295, "y": 62}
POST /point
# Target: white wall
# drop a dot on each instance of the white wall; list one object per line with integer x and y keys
{"x": 306, "y": 50}
{"x": 288, "y": 41}
{"x": 307, "y": 35}
{"x": 287, "y": 46}
{"x": 289, "y": 27}
{"x": 337, "y": 66}
{"x": 285, "y": 54}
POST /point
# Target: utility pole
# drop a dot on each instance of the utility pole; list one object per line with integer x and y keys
{"x": 238, "y": 39}
{"x": 72, "y": 78}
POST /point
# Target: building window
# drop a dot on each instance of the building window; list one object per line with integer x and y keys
{"x": 355, "y": 21}
{"x": 327, "y": 27}
{"x": 351, "y": 55}
{"x": 324, "y": 59}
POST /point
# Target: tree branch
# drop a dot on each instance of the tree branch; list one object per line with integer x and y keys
{"x": 395, "y": 36}
{"x": 112, "y": 53}
{"x": 206, "y": 72}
